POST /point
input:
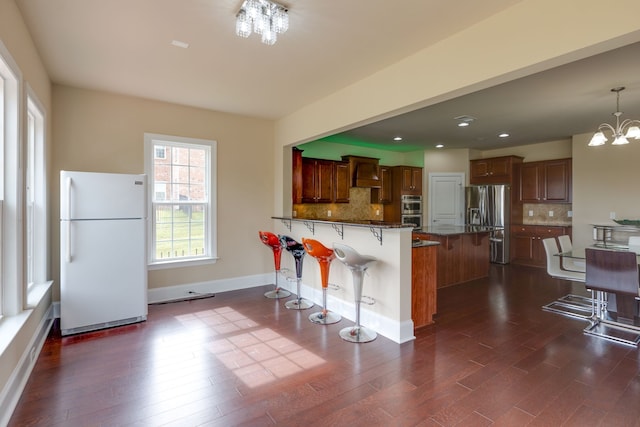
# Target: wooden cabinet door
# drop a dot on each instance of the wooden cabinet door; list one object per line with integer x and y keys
{"x": 384, "y": 194}
{"x": 500, "y": 167}
{"x": 557, "y": 181}
{"x": 309, "y": 178}
{"x": 342, "y": 182}
{"x": 317, "y": 181}
{"x": 416, "y": 181}
{"x": 530, "y": 180}
{"x": 479, "y": 169}
{"x": 324, "y": 191}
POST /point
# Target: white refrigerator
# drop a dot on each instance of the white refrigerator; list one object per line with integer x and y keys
{"x": 103, "y": 271}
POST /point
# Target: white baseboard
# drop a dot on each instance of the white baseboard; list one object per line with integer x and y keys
{"x": 18, "y": 379}
{"x": 394, "y": 330}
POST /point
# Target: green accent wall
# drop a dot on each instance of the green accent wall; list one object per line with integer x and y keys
{"x": 331, "y": 150}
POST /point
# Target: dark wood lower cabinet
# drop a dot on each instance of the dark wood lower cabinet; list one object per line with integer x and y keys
{"x": 526, "y": 243}
{"x": 423, "y": 285}
{"x": 461, "y": 257}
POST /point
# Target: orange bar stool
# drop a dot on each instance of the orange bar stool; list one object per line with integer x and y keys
{"x": 275, "y": 244}
{"x": 324, "y": 256}
{"x": 358, "y": 264}
{"x": 297, "y": 251}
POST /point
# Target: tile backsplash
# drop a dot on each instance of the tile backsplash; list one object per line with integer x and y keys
{"x": 358, "y": 208}
{"x": 542, "y": 213}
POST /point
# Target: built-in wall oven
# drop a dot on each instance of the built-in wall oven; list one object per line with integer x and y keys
{"x": 411, "y": 210}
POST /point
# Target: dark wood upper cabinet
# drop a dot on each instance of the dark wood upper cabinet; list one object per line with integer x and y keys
{"x": 384, "y": 194}
{"x": 317, "y": 181}
{"x": 409, "y": 179}
{"x": 342, "y": 181}
{"x": 495, "y": 170}
{"x": 546, "y": 181}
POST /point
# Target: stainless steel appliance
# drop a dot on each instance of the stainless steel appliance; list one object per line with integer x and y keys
{"x": 411, "y": 210}
{"x": 489, "y": 206}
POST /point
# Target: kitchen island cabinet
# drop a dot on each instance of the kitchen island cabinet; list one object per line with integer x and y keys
{"x": 424, "y": 273}
{"x": 463, "y": 253}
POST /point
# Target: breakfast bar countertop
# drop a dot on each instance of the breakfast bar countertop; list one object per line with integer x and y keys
{"x": 449, "y": 230}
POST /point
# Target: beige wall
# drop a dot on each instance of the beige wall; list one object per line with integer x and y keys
{"x": 103, "y": 132}
{"x": 529, "y": 37}
{"x": 534, "y": 152}
{"x": 605, "y": 179}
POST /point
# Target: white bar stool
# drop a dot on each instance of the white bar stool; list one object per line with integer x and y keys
{"x": 358, "y": 264}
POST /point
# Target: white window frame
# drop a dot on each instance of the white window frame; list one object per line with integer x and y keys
{"x": 211, "y": 234}
{"x": 11, "y": 188}
{"x": 36, "y": 193}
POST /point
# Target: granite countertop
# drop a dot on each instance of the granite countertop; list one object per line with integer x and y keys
{"x": 448, "y": 230}
{"x": 357, "y": 223}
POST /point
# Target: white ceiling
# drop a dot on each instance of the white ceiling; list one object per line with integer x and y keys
{"x": 124, "y": 46}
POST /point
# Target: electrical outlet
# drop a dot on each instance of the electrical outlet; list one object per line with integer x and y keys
{"x": 530, "y": 213}
{"x": 612, "y": 215}
{"x": 295, "y": 214}
{"x": 550, "y": 213}
{"x": 377, "y": 212}
{"x": 329, "y": 214}
{"x": 570, "y": 214}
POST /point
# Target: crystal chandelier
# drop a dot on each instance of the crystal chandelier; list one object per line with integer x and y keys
{"x": 627, "y": 129}
{"x": 262, "y": 17}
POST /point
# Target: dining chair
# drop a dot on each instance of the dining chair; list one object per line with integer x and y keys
{"x": 614, "y": 272}
{"x": 566, "y": 262}
{"x": 572, "y": 305}
{"x": 553, "y": 263}
{"x": 634, "y": 244}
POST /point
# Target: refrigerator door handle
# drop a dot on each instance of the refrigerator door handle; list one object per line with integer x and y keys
{"x": 68, "y": 189}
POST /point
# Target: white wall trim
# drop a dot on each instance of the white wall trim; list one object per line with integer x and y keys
{"x": 396, "y": 331}
{"x": 15, "y": 385}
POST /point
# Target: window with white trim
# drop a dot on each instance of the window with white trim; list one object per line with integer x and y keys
{"x": 180, "y": 174}
{"x": 36, "y": 185}
{"x": 11, "y": 190}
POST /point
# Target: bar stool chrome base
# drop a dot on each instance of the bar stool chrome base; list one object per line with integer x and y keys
{"x": 298, "y": 304}
{"x": 358, "y": 334}
{"x": 325, "y": 317}
{"x": 277, "y": 294}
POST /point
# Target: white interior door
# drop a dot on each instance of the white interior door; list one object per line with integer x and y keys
{"x": 446, "y": 198}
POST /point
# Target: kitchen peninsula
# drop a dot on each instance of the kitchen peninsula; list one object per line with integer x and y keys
{"x": 463, "y": 253}
{"x": 387, "y": 282}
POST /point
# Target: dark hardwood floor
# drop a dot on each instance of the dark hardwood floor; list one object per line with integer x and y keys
{"x": 492, "y": 358}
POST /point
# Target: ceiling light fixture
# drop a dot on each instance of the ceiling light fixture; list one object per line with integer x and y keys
{"x": 464, "y": 121}
{"x": 397, "y": 138}
{"x": 439, "y": 146}
{"x": 503, "y": 135}
{"x": 631, "y": 127}
{"x": 262, "y": 17}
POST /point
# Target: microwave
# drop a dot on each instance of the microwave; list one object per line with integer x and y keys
{"x": 410, "y": 205}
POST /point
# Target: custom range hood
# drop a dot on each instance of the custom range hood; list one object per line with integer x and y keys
{"x": 364, "y": 171}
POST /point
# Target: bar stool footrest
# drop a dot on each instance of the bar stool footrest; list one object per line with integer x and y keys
{"x": 298, "y": 304}
{"x": 327, "y": 318}
{"x": 358, "y": 334}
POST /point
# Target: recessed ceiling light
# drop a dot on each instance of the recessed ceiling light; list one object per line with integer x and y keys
{"x": 464, "y": 120}
{"x": 439, "y": 146}
{"x": 397, "y": 138}
{"x": 178, "y": 43}
{"x": 503, "y": 135}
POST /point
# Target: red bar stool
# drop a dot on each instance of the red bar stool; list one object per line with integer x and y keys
{"x": 324, "y": 256}
{"x": 358, "y": 264}
{"x": 297, "y": 251}
{"x": 274, "y": 243}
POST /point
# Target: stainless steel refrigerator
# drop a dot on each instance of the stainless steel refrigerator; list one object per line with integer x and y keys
{"x": 489, "y": 206}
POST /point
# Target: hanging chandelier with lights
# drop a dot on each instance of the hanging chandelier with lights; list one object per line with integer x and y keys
{"x": 627, "y": 129}
{"x": 263, "y": 17}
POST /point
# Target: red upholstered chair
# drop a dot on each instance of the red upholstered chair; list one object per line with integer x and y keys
{"x": 272, "y": 240}
{"x": 324, "y": 256}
